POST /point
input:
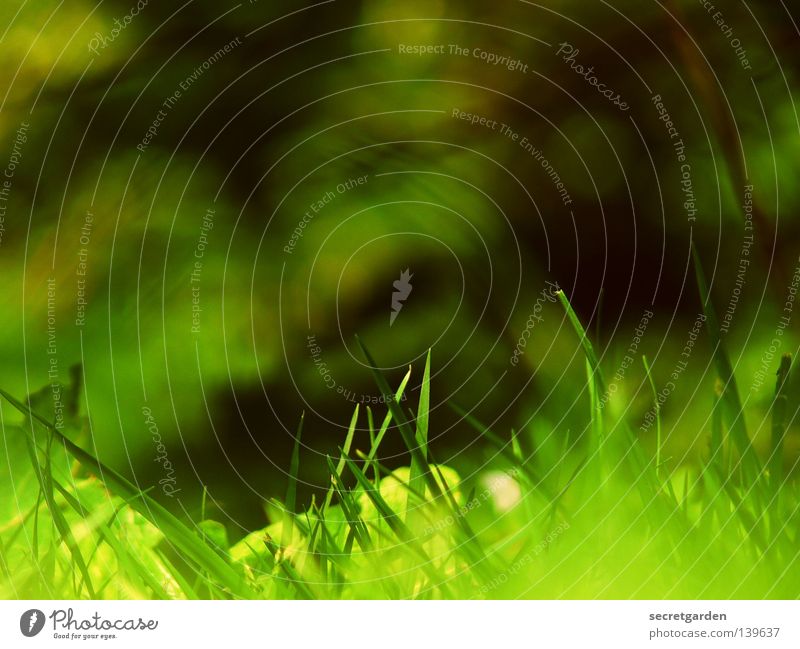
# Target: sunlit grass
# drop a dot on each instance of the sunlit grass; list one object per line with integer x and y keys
{"x": 608, "y": 520}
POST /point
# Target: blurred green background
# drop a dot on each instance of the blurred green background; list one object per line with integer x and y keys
{"x": 307, "y": 100}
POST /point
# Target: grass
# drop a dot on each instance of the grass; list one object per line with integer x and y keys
{"x": 609, "y": 521}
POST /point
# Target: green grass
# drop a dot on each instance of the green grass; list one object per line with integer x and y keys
{"x": 609, "y": 520}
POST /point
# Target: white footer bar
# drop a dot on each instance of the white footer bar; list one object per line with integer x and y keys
{"x": 400, "y": 625}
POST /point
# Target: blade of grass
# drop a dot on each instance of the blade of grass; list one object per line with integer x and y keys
{"x": 657, "y": 408}
{"x": 340, "y": 465}
{"x": 329, "y": 554}
{"x": 350, "y": 508}
{"x": 46, "y": 482}
{"x": 751, "y": 467}
{"x": 178, "y": 534}
{"x": 419, "y": 496}
{"x": 318, "y": 545}
{"x": 373, "y": 451}
{"x": 596, "y": 422}
{"x": 406, "y": 432}
{"x": 396, "y": 525}
{"x": 750, "y": 523}
{"x": 372, "y": 439}
{"x": 716, "y": 451}
{"x": 641, "y": 466}
{"x": 586, "y": 344}
{"x": 467, "y": 537}
{"x": 131, "y": 564}
{"x": 332, "y": 552}
{"x": 468, "y": 543}
{"x": 416, "y": 478}
{"x": 291, "y": 489}
{"x": 779, "y": 408}
{"x": 516, "y": 449}
{"x": 175, "y": 574}
{"x": 292, "y": 576}
{"x": 505, "y": 448}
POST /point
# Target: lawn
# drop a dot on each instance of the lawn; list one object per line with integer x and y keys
{"x": 545, "y": 518}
